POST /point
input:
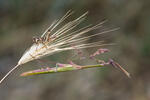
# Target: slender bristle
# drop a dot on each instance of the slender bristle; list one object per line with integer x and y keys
{"x": 57, "y": 22}
{"x": 8, "y": 73}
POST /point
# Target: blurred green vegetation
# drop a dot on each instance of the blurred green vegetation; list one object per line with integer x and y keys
{"x": 20, "y": 20}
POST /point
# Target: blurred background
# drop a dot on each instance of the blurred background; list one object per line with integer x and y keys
{"x": 20, "y": 20}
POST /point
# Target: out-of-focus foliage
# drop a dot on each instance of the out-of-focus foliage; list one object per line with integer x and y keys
{"x": 22, "y": 19}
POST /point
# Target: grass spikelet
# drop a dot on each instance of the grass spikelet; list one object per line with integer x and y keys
{"x": 56, "y": 39}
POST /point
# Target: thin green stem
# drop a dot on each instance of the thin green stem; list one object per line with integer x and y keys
{"x": 65, "y": 68}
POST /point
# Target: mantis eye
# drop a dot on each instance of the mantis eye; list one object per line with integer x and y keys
{"x": 35, "y": 39}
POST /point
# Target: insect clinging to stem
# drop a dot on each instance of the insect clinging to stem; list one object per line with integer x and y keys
{"x": 56, "y": 39}
{"x": 44, "y": 39}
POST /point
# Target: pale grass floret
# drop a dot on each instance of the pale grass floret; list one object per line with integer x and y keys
{"x": 62, "y": 39}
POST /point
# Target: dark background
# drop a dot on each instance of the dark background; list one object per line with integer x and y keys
{"x": 20, "y": 20}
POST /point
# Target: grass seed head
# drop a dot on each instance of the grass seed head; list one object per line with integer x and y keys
{"x": 55, "y": 40}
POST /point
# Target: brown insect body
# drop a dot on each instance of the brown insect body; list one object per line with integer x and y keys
{"x": 43, "y": 40}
